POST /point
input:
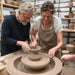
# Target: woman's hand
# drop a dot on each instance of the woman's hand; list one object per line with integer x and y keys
{"x": 33, "y": 44}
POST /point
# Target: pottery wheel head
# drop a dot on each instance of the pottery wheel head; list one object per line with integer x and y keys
{"x": 36, "y": 64}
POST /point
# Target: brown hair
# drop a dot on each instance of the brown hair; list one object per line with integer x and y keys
{"x": 48, "y": 6}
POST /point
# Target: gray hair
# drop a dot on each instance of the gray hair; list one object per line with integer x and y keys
{"x": 26, "y": 7}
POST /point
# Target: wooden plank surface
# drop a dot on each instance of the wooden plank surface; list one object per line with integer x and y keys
{"x": 69, "y": 30}
{"x": 65, "y": 7}
{"x": 67, "y": 18}
{"x": 10, "y": 6}
{"x": 62, "y": 2}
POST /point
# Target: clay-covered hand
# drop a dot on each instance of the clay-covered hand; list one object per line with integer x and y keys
{"x": 51, "y": 53}
{"x": 33, "y": 44}
{"x": 25, "y": 46}
{"x": 66, "y": 58}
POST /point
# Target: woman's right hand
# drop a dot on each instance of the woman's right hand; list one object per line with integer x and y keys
{"x": 33, "y": 44}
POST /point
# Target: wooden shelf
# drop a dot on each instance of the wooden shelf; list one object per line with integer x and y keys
{"x": 62, "y": 2}
{"x": 65, "y": 11}
{"x": 37, "y": 0}
{"x": 67, "y": 18}
{"x": 10, "y": 6}
{"x": 65, "y": 7}
{"x": 69, "y": 30}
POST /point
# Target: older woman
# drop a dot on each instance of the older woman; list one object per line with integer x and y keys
{"x": 49, "y": 28}
{"x": 15, "y": 30}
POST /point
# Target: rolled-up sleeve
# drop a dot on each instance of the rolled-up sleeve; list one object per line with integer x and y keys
{"x": 58, "y": 26}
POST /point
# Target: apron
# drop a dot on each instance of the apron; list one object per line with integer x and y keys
{"x": 47, "y": 38}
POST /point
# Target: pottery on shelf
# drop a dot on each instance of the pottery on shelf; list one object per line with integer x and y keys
{"x": 54, "y": 1}
{"x": 58, "y": 10}
{"x": 65, "y": 52}
{"x": 66, "y": 16}
{"x": 71, "y": 15}
{"x": 12, "y": 12}
{"x": 71, "y": 4}
{"x": 70, "y": 47}
{"x": 8, "y": 1}
{"x": 15, "y": 3}
{"x": 71, "y": 25}
{"x": 73, "y": 42}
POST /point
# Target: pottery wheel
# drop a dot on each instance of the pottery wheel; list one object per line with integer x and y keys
{"x": 39, "y": 64}
{"x": 16, "y": 67}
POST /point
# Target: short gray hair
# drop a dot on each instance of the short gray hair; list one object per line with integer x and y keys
{"x": 26, "y": 7}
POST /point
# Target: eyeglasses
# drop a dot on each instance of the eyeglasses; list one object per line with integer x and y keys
{"x": 25, "y": 17}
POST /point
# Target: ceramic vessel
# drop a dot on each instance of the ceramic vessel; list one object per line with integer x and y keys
{"x": 73, "y": 42}
{"x": 15, "y": 3}
{"x": 12, "y": 12}
{"x": 71, "y": 25}
{"x": 66, "y": 16}
{"x": 65, "y": 52}
{"x": 8, "y": 2}
{"x": 34, "y": 54}
{"x": 71, "y": 15}
{"x": 71, "y": 4}
{"x": 70, "y": 47}
{"x": 54, "y": 1}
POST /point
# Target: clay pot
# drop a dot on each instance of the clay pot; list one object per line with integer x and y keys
{"x": 65, "y": 52}
{"x": 66, "y": 16}
{"x": 8, "y": 2}
{"x": 71, "y": 15}
{"x": 34, "y": 55}
{"x": 58, "y": 10}
{"x": 54, "y": 1}
{"x": 71, "y": 4}
{"x": 71, "y": 25}
{"x": 15, "y": 3}
{"x": 73, "y": 42}
{"x": 12, "y": 12}
{"x": 70, "y": 47}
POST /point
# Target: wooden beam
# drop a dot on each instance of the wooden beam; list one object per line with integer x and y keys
{"x": 65, "y": 7}
{"x": 10, "y": 6}
{"x": 67, "y": 18}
